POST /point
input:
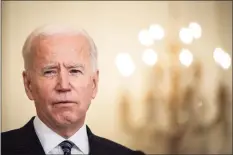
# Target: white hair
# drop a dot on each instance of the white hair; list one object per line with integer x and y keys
{"x": 49, "y": 30}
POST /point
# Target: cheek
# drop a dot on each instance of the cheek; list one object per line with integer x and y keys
{"x": 42, "y": 90}
{"x": 83, "y": 89}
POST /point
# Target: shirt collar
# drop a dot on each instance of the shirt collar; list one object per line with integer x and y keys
{"x": 50, "y": 139}
{"x": 80, "y": 139}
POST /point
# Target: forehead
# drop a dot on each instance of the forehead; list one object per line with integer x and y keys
{"x": 60, "y": 41}
{"x": 62, "y": 45}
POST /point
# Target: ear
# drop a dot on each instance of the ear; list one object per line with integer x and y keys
{"x": 95, "y": 84}
{"x": 27, "y": 85}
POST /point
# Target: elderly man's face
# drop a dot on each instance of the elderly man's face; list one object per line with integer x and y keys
{"x": 61, "y": 80}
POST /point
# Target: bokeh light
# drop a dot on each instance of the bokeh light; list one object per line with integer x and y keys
{"x": 145, "y": 38}
{"x": 186, "y": 57}
{"x": 186, "y": 35}
{"x": 125, "y": 64}
{"x": 149, "y": 57}
{"x": 222, "y": 58}
{"x": 196, "y": 30}
{"x": 156, "y": 32}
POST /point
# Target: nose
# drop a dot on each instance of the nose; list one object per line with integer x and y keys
{"x": 63, "y": 84}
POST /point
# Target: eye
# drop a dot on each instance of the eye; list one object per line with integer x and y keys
{"x": 50, "y": 72}
{"x": 75, "y": 71}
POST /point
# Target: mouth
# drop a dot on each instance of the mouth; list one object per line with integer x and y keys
{"x": 65, "y": 102}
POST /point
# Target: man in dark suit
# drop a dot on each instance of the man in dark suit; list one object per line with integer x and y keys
{"x": 61, "y": 77}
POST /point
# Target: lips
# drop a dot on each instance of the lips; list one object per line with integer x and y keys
{"x": 64, "y": 102}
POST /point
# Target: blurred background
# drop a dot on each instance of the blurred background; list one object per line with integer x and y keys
{"x": 165, "y": 70}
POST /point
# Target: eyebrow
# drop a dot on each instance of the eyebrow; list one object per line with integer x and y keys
{"x": 50, "y": 66}
{"x": 69, "y": 66}
{"x": 75, "y": 66}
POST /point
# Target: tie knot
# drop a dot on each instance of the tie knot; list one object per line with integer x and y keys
{"x": 66, "y": 147}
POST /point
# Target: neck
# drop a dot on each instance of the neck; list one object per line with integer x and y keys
{"x": 64, "y": 130}
{"x": 67, "y": 131}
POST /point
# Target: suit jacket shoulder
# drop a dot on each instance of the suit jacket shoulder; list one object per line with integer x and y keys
{"x": 10, "y": 138}
{"x": 24, "y": 141}
{"x": 104, "y": 146}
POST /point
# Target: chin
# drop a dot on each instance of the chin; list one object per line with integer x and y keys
{"x": 67, "y": 119}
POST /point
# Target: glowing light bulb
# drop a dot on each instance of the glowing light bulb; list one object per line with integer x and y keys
{"x": 196, "y": 30}
{"x": 156, "y": 32}
{"x": 186, "y": 57}
{"x": 125, "y": 64}
{"x": 217, "y": 55}
{"x": 149, "y": 57}
{"x": 222, "y": 58}
{"x": 186, "y": 35}
{"x": 145, "y": 38}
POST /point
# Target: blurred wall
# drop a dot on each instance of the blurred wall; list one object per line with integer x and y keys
{"x": 114, "y": 27}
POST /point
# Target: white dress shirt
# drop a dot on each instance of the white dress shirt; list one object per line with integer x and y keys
{"x": 50, "y": 140}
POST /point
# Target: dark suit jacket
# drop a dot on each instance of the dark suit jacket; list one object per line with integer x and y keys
{"x": 24, "y": 141}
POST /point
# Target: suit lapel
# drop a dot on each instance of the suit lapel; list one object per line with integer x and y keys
{"x": 31, "y": 144}
{"x": 96, "y": 147}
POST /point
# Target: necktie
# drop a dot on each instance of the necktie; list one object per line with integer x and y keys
{"x": 66, "y": 147}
